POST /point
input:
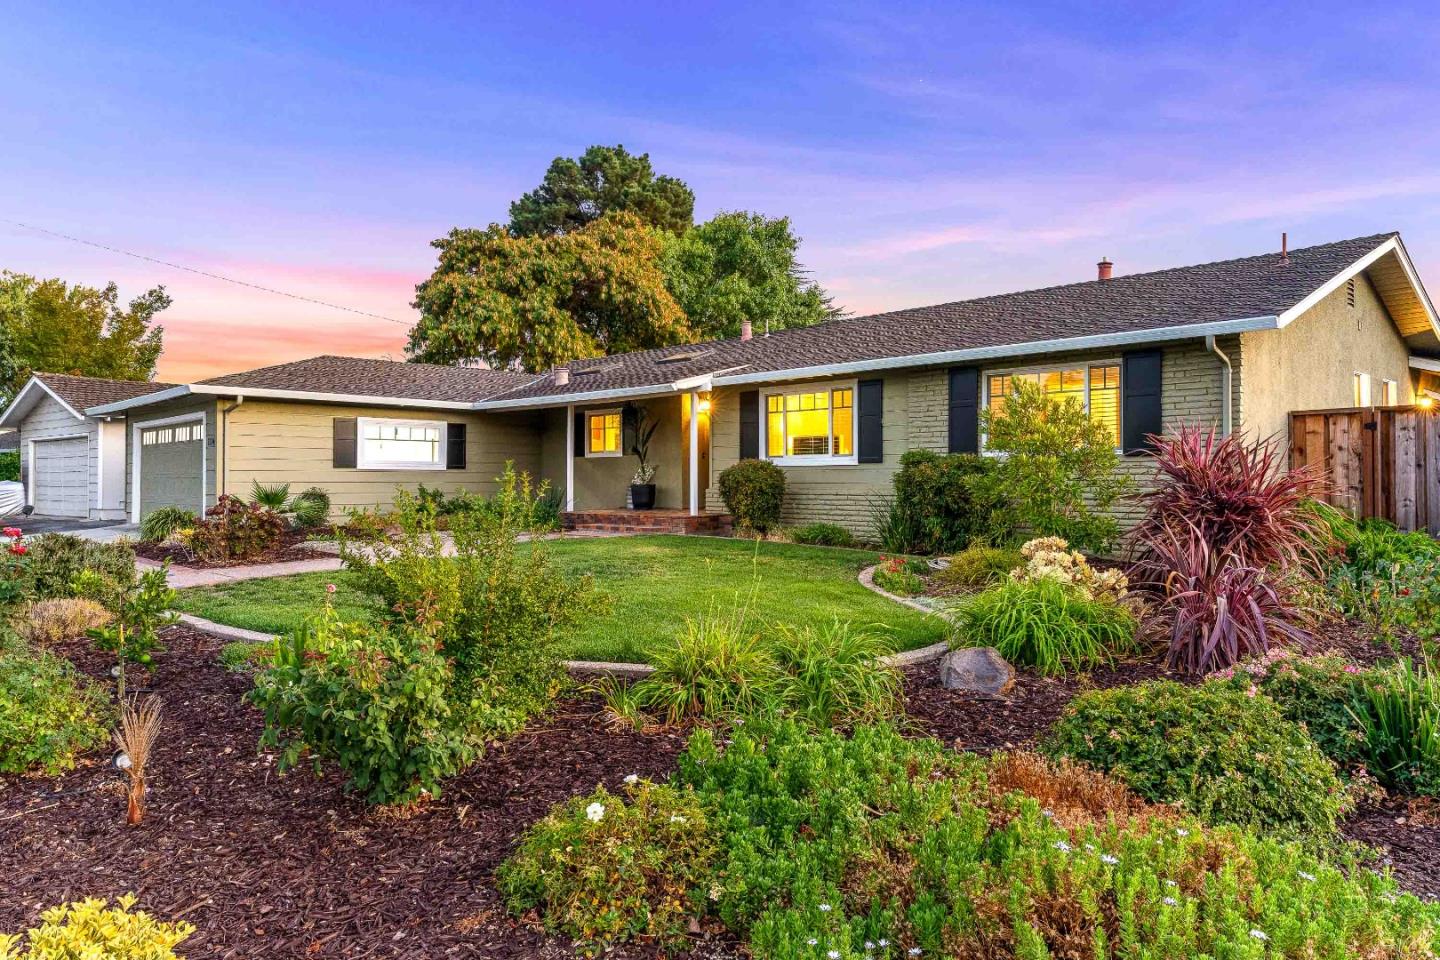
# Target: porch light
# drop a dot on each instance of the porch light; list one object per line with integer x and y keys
{"x": 1425, "y": 403}
{"x": 704, "y": 406}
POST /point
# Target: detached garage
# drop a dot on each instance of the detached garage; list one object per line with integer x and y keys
{"x": 72, "y": 465}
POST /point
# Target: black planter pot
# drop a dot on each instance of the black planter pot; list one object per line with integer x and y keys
{"x": 642, "y": 496}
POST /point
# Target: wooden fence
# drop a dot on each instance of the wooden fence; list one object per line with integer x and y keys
{"x": 1380, "y": 461}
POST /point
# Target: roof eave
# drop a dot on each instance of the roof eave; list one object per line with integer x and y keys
{"x": 269, "y": 393}
{"x": 21, "y": 404}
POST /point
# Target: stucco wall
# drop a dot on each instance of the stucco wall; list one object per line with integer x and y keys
{"x": 917, "y": 416}
{"x": 279, "y": 442}
{"x": 1310, "y": 365}
{"x": 602, "y": 483}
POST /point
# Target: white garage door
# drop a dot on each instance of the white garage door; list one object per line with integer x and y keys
{"x": 61, "y": 478}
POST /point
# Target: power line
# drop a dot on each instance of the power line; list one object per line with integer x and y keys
{"x": 205, "y": 273}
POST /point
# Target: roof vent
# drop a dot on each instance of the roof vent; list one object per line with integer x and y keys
{"x": 1104, "y": 268}
{"x": 562, "y": 376}
{"x": 1284, "y": 249}
{"x": 687, "y": 355}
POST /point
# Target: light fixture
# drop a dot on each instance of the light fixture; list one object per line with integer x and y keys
{"x": 1425, "y": 403}
{"x": 704, "y": 406}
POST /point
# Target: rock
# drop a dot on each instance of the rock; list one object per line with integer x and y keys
{"x": 976, "y": 669}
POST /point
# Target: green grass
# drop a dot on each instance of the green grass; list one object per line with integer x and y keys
{"x": 655, "y": 584}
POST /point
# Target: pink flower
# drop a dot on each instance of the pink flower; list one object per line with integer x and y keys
{"x": 19, "y": 549}
{"x": 12, "y": 531}
{"x": 1252, "y": 691}
{"x": 329, "y": 588}
{"x": 1351, "y": 668}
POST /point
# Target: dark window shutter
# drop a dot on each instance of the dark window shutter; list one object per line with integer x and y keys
{"x": 750, "y": 425}
{"x": 343, "y": 447}
{"x": 454, "y": 446}
{"x": 580, "y": 434}
{"x": 1140, "y": 410}
{"x": 964, "y": 410}
{"x": 871, "y": 445}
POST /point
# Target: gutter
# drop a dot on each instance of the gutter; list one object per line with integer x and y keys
{"x": 1227, "y": 377}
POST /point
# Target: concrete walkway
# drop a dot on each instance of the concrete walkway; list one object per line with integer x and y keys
{"x": 182, "y": 577}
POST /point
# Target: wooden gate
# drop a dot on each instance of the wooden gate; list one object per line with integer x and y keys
{"x": 1380, "y": 461}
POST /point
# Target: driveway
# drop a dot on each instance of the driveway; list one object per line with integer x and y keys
{"x": 100, "y": 530}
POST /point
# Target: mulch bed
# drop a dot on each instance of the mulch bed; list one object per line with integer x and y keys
{"x": 291, "y": 545}
{"x": 293, "y": 864}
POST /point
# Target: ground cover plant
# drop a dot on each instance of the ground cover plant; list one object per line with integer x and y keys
{"x": 820, "y": 845}
{"x": 903, "y": 576}
{"x": 654, "y": 584}
{"x": 1388, "y": 579}
{"x": 976, "y": 567}
{"x": 1221, "y": 753}
{"x": 49, "y": 715}
{"x": 824, "y": 535}
{"x": 92, "y": 929}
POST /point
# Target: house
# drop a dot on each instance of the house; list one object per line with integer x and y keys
{"x": 1238, "y": 343}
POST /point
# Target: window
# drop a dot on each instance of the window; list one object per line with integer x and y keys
{"x": 1389, "y": 393}
{"x": 812, "y": 424}
{"x": 1362, "y": 389}
{"x": 401, "y": 444}
{"x": 1095, "y": 386}
{"x": 602, "y": 433}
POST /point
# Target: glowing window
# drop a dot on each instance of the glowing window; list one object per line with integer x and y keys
{"x": 811, "y": 425}
{"x": 602, "y": 433}
{"x": 1095, "y": 387}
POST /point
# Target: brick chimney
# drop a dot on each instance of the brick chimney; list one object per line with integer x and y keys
{"x": 747, "y": 330}
{"x": 1104, "y": 267}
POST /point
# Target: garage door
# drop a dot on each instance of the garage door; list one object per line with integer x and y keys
{"x": 61, "y": 478}
{"x": 171, "y": 465}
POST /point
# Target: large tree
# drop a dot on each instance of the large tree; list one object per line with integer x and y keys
{"x": 534, "y": 302}
{"x": 55, "y": 327}
{"x": 742, "y": 266}
{"x": 603, "y": 180}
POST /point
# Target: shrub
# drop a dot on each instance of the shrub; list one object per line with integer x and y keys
{"x": 1059, "y": 476}
{"x": 1052, "y": 558}
{"x": 1401, "y": 719}
{"x": 1044, "y": 624}
{"x": 603, "y": 869}
{"x": 56, "y": 559}
{"x": 162, "y": 523}
{"x": 89, "y": 928}
{"x": 1389, "y": 579}
{"x": 276, "y": 496}
{"x": 242, "y": 656}
{"x": 1244, "y": 504}
{"x": 235, "y": 531}
{"x": 140, "y": 612}
{"x": 716, "y": 669}
{"x": 901, "y": 576}
{"x": 495, "y": 606}
{"x": 1220, "y": 753}
{"x": 976, "y": 567}
{"x": 824, "y": 535}
{"x": 373, "y": 700}
{"x": 48, "y": 622}
{"x": 311, "y": 507}
{"x": 10, "y": 466}
{"x": 48, "y": 713}
{"x": 833, "y": 675}
{"x": 944, "y": 506}
{"x": 880, "y": 845}
{"x": 754, "y": 492}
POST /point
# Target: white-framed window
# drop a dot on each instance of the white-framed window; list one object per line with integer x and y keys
{"x": 1389, "y": 393}
{"x": 602, "y": 433}
{"x": 400, "y": 444}
{"x": 1094, "y": 385}
{"x": 1362, "y": 389}
{"x": 809, "y": 424}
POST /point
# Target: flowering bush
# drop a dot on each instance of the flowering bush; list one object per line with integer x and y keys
{"x": 1051, "y": 557}
{"x": 1226, "y": 755}
{"x": 900, "y": 575}
{"x": 605, "y": 868}
{"x": 90, "y": 929}
{"x": 878, "y": 845}
{"x": 15, "y": 579}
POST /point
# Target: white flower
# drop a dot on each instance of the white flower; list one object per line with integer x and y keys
{"x": 1048, "y": 814}
{"x": 824, "y": 908}
{"x": 1171, "y": 883}
{"x": 1306, "y": 876}
{"x": 812, "y": 941}
{"x": 594, "y": 812}
{"x": 914, "y": 951}
{"x": 1169, "y": 901}
{"x": 1089, "y": 848}
{"x": 869, "y": 945}
{"x": 1181, "y": 832}
{"x": 1061, "y": 845}
{"x": 632, "y": 778}
{"x": 884, "y": 942}
{"x": 1260, "y": 935}
{"x": 833, "y": 954}
{"x": 1106, "y": 858}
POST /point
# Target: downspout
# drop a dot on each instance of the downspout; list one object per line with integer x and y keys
{"x": 1227, "y": 376}
{"x": 222, "y": 444}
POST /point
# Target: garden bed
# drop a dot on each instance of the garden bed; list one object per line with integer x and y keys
{"x": 291, "y": 545}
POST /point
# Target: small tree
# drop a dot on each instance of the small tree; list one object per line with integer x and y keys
{"x": 1058, "y": 473}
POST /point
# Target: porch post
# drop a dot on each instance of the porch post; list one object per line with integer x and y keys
{"x": 694, "y": 454}
{"x": 570, "y": 458}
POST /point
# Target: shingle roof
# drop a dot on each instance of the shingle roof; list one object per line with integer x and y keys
{"x": 1238, "y": 289}
{"x": 83, "y": 392}
{"x": 357, "y": 376}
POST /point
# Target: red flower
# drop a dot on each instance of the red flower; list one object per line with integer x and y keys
{"x": 11, "y": 531}
{"x": 19, "y": 549}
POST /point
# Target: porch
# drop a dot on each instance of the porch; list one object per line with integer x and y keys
{"x": 646, "y": 521}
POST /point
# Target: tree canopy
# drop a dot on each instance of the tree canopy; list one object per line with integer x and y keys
{"x": 534, "y": 302}
{"x": 742, "y": 266}
{"x": 603, "y": 180}
{"x": 55, "y": 327}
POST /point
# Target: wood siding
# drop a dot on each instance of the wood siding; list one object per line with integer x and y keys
{"x": 49, "y": 420}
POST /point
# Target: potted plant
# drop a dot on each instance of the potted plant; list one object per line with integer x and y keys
{"x": 642, "y": 430}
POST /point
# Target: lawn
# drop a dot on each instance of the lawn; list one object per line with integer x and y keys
{"x": 654, "y": 584}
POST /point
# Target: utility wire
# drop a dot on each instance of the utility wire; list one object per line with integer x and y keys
{"x": 205, "y": 273}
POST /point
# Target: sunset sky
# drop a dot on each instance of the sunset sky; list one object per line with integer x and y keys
{"x": 925, "y": 152}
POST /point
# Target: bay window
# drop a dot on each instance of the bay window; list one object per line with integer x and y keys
{"x": 1095, "y": 386}
{"x": 400, "y": 444}
{"x": 810, "y": 424}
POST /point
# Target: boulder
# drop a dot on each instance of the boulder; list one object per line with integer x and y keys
{"x": 976, "y": 669}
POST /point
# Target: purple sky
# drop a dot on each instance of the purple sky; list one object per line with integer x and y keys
{"x": 925, "y": 152}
